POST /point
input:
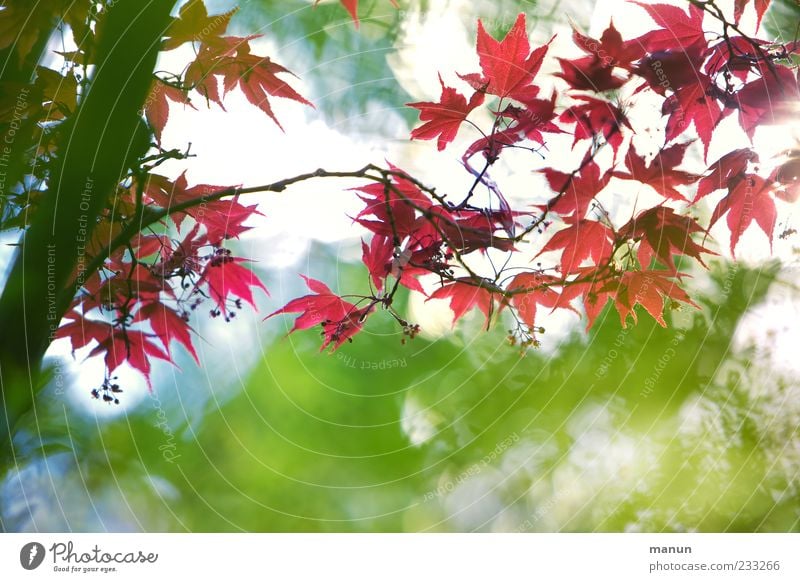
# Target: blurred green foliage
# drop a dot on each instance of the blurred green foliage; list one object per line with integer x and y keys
{"x": 643, "y": 428}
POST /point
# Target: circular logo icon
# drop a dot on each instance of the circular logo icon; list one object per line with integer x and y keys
{"x": 31, "y": 555}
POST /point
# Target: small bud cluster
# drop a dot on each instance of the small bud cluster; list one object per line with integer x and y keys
{"x": 108, "y": 391}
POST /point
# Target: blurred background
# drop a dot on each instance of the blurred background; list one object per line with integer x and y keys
{"x": 689, "y": 428}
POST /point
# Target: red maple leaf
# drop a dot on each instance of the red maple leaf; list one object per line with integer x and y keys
{"x": 596, "y": 72}
{"x": 226, "y": 277}
{"x": 596, "y": 117}
{"x": 611, "y": 49}
{"x": 376, "y": 256}
{"x": 166, "y": 193}
{"x": 223, "y": 219}
{"x": 257, "y": 79}
{"x": 591, "y": 285}
{"x": 679, "y": 30}
{"x": 733, "y": 55}
{"x": 575, "y": 192}
{"x": 509, "y": 65}
{"x": 340, "y": 319}
{"x": 531, "y": 290}
{"x": 380, "y": 260}
{"x": 147, "y": 245}
{"x": 157, "y": 105}
{"x": 760, "y": 6}
{"x": 168, "y": 325}
{"x": 212, "y": 57}
{"x": 230, "y": 58}
{"x": 648, "y": 289}
{"x": 130, "y": 346}
{"x": 662, "y": 233}
{"x": 589, "y": 74}
{"x": 731, "y": 166}
{"x": 768, "y": 100}
{"x": 394, "y": 209}
{"x": 120, "y": 344}
{"x": 586, "y": 239}
{"x": 671, "y": 70}
{"x": 465, "y": 294}
{"x": 661, "y": 174}
{"x": 445, "y": 117}
{"x": 531, "y": 120}
{"x": 492, "y": 145}
{"x": 748, "y": 200}
{"x": 81, "y": 330}
{"x": 692, "y": 104}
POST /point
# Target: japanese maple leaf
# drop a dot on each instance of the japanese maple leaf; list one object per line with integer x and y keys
{"x": 81, "y": 331}
{"x": 226, "y": 277}
{"x": 223, "y": 219}
{"x": 589, "y": 74}
{"x": 596, "y": 72}
{"x": 182, "y": 258}
{"x": 194, "y": 23}
{"x": 376, "y": 256}
{"x": 492, "y": 145}
{"x": 168, "y": 325}
{"x": 748, "y": 200}
{"x": 213, "y": 57}
{"x": 509, "y": 65}
{"x": 529, "y": 121}
{"x": 586, "y": 239}
{"x": 692, "y": 104}
{"x": 769, "y": 100}
{"x": 760, "y": 6}
{"x": 595, "y": 117}
{"x": 666, "y": 71}
{"x": 592, "y": 286}
{"x": 471, "y": 230}
{"x": 735, "y": 55}
{"x": 445, "y": 117}
{"x": 531, "y": 290}
{"x": 130, "y": 346}
{"x": 661, "y": 174}
{"x": 340, "y": 319}
{"x": 465, "y": 294}
{"x": 257, "y": 78}
{"x": 379, "y": 258}
{"x": 120, "y": 345}
{"x": 147, "y": 245}
{"x": 394, "y": 209}
{"x": 679, "y": 30}
{"x": 610, "y": 49}
{"x": 138, "y": 283}
{"x": 157, "y": 105}
{"x": 166, "y": 193}
{"x": 574, "y": 193}
{"x": 731, "y": 166}
{"x": 649, "y": 289}
{"x": 533, "y": 118}
{"x": 662, "y": 233}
